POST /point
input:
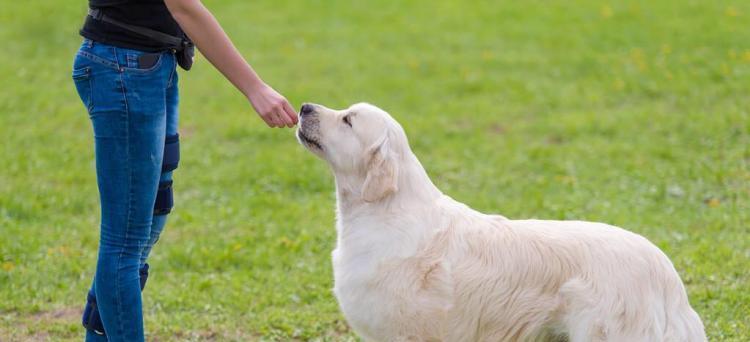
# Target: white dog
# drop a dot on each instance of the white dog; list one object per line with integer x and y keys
{"x": 412, "y": 264}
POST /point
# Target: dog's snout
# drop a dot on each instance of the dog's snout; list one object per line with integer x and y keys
{"x": 306, "y": 109}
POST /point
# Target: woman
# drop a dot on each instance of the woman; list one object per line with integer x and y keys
{"x": 125, "y": 75}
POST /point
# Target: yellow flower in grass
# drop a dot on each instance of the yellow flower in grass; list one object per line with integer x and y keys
{"x": 8, "y": 266}
{"x": 566, "y": 179}
{"x": 732, "y": 12}
{"x": 412, "y": 63}
{"x": 487, "y": 55}
{"x": 732, "y": 54}
{"x": 619, "y": 84}
{"x": 286, "y": 242}
{"x": 639, "y": 59}
{"x": 606, "y": 12}
{"x": 725, "y": 70}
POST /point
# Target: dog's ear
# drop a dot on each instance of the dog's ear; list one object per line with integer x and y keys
{"x": 382, "y": 172}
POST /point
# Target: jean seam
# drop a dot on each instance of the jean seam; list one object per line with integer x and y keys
{"x": 117, "y": 58}
{"x": 173, "y": 71}
{"x": 91, "y": 90}
{"x": 121, "y": 328}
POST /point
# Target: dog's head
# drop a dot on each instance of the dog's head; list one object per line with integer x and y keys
{"x": 362, "y": 144}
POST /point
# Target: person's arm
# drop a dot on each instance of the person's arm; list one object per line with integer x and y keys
{"x": 203, "y": 29}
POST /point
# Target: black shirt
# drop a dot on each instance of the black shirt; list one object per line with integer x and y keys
{"x": 151, "y": 14}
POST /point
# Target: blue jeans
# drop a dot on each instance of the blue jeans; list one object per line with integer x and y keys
{"x": 132, "y": 109}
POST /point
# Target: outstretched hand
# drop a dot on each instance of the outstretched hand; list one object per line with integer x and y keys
{"x": 272, "y": 107}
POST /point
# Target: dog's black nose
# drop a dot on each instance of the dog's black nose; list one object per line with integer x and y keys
{"x": 306, "y": 109}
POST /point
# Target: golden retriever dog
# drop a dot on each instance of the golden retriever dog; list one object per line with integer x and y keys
{"x": 412, "y": 264}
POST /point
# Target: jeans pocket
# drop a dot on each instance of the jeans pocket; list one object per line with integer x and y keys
{"x": 82, "y": 80}
{"x": 142, "y": 62}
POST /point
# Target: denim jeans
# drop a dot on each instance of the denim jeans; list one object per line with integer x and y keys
{"x": 132, "y": 109}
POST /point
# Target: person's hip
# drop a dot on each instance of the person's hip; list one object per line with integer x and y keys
{"x": 107, "y": 76}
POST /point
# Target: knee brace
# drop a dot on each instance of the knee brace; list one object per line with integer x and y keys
{"x": 171, "y": 153}
{"x": 91, "y": 319}
{"x": 143, "y": 273}
{"x": 164, "y": 200}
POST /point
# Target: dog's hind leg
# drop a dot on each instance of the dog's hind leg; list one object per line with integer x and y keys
{"x": 579, "y": 317}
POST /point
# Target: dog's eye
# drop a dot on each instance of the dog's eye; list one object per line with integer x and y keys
{"x": 347, "y": 119}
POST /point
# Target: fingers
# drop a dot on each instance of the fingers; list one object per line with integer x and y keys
{"x": 281, "y": 120}
{"x": 277, "y": 118}
{"x": 271, "y": 119}
{"x": 271, "y": 116}
{"x": 284, "y": 115}
{"x": 290, "y": 113}
{"x": 273, "y": 108}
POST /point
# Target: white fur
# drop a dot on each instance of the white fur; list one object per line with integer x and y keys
{"x": 412, "y": 264}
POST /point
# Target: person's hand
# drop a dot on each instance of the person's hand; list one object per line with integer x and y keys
{"x": 273, "y": 108}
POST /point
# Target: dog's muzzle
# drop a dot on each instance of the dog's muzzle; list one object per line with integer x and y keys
{"x": 307, "y": 139}
{"x": 306, "y": 133}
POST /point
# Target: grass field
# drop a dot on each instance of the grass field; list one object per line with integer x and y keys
{"x": 635, "y": 113}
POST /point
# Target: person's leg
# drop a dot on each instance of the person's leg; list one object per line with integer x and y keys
{"x": 93, "y": 64}
{"x": 92, "y": 320}
{"x": 127, "y": 109}
{"x": 164, "y": 197}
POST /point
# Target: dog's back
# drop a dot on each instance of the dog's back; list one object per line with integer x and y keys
{"x": 536, "y": 279}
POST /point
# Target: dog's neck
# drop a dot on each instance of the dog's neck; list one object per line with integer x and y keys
{"x": 392, "y": 225}
{"x": 414, "y": 189}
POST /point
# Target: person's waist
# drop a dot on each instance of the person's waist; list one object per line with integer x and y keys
{"x": 109, "y": 34}
{"x": 146, "y": 16}
{"x": 103, "y": 23}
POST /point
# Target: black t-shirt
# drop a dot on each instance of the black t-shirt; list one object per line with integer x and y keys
{"x": 152, "y": 14}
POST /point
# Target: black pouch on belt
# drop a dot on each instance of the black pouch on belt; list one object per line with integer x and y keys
{"x": 185, "y": 55}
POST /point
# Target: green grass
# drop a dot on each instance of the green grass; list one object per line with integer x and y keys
{"x": 634, "y": 113}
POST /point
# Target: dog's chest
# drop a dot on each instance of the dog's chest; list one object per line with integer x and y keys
{"x": 382, "y": 295}
{"x": 378, "y": 274}
{"x": 362, "y": 301}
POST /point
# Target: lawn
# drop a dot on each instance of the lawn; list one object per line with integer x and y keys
{"x": 634, "y": 113}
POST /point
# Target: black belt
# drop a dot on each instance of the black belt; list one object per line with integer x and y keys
{"x": 184, "y": 47}
{"x": 172, "y": 41}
